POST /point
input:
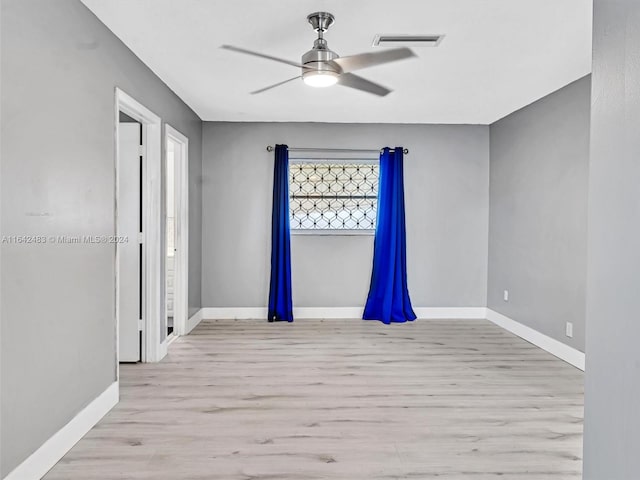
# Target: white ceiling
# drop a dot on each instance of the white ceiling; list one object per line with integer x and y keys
{"x": 497, "y": 56}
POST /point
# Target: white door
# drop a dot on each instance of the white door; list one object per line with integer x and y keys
{"x": 177, "y": 229}
{"x": 170, "y": 233}
{"x": 129, "y": 225}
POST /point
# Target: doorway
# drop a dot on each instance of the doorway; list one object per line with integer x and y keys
{"x": 130, "y": 229}
{"x": 176, "y": 232}
{"x": 138, "y": 218}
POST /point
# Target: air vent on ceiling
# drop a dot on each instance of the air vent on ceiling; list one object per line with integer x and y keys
{"x": 388, "y": 40}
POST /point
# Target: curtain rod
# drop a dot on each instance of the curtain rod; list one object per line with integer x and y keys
{"x": 337, "y": 150}
{"x": 322, "y": 159}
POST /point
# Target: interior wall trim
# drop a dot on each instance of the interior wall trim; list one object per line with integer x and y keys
{"x": 246, "y": 313}
{"x": 332, "y": 312}
{"x": 50, "y": 452}
{"x": 564, "y": 352}
{"x": 448, "y": 313}
{"x": 234, "y": 313}
{"x": 193, "y": 321}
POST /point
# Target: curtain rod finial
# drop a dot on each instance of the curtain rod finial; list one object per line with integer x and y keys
{"x": 269, "y": 148}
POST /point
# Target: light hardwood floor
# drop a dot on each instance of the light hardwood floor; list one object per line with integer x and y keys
{"x": 249, "y": 400}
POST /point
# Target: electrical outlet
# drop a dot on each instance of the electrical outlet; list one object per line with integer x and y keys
{"x": 506, "y": 295}
{"x": 569, "y": 330}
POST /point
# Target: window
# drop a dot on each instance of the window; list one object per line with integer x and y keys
{"x": 327, "y": 195}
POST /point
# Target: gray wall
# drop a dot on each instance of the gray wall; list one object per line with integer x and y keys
{"x": 538, "y": 213}
{"x": 60, "y": 66}
{"x": 446, "y": 189}
{"x": 612, "y": 382}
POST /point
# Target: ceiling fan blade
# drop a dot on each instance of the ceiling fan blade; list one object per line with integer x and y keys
{"x": 365, "y": 60}
{"x": 359, "y": 83}
{"x": 261, "y": 55}
{"x": 275, "y": 85}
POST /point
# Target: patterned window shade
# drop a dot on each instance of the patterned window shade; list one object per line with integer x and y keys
{"x": 333, "y": 196}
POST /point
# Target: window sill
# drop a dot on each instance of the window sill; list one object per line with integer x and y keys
{"x": 336, "y": 233}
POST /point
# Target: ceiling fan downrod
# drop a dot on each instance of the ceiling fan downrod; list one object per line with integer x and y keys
{"x": 320, "y": 22}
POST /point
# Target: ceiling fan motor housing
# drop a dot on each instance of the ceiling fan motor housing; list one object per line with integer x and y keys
{"x": 320, "y": 60}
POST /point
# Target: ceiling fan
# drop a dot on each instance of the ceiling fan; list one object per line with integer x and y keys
{"x": 322, "y": 67}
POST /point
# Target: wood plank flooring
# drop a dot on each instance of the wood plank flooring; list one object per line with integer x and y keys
{"x": 340, "y": 399}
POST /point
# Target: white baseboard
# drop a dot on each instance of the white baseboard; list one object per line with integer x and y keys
{"x": 459, "y": 313}
{"x": 44, "y": 458}
{"x": 559, "y": 349}
{"x": 247, "y": 313}
{"x": 193, "y": 321}
{"x": 244, "y": 313}
{"x": 562, "y": 351}
{"x": 327, "y": 312}
{"x": 234, "y": 313}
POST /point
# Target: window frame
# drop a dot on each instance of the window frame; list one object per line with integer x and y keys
{"x": 336, "y": 161}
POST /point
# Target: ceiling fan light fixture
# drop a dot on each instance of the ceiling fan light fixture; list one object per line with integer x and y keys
{"x": 320, "y": 79}
{"x": 321, "y": 67}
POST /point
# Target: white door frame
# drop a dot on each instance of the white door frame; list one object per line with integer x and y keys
{"x": 181, "y": 293}
{"x": 152, "y": 350}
